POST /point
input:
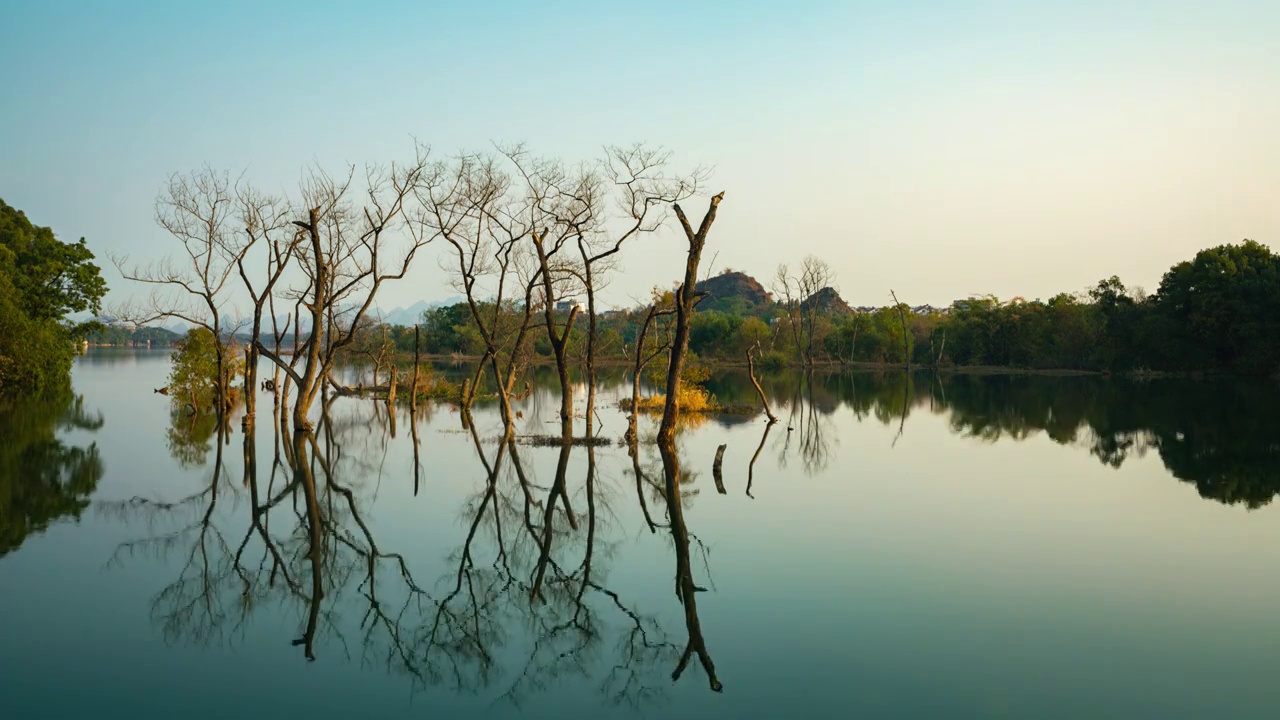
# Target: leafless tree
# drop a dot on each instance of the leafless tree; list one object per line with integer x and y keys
{"x": 637, "y": 177}
{"x": 349, "y": 250}
{"x": 562, "y": 205}
{"x": 470, "y": 202}
{"x": 373, "y": 343}
{"x": 198, "y": 210}
{"x": 659, "y": 310}
{"x": 265, "y": 222}
{"x": 906, "y": 336}
{"x": 798, "y": 294}
{"x": 751, "y": 372}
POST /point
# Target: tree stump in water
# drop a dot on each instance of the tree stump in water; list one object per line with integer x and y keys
{"x": 716, "y": 472}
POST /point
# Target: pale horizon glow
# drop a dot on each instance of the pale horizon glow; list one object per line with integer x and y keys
{"x": 939, "y": 149}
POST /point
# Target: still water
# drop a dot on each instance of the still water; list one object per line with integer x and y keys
{"x": 935, "y": 547}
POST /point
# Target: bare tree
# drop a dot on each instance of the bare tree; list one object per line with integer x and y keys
{"x": 906, "y": 336}
{"x": 197, "y": 209}
{"x": 471, "y": 204}
{"x": 266, "y": 226}
{"x": 751, "y": 372}
{"x": 373, "y": 343}
{"x": 349, "y": 251}
{"x": 800, "y": 298}
{"x": 563, "y": 205}
{"x": 637, "y": 175}
{"x": 661, "y": 308}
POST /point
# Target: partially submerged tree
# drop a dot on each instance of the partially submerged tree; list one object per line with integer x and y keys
{"x": 637, "y": 176}
{"x": 270, "y": 235}
{"x": 562, "y": 206}
{"x": 193, "y": 378}
{"x": 197, "y": 210}
{"x": 350, "y": 248}
{"x": 684, "y": 304}
{"x": 471, "y": 204}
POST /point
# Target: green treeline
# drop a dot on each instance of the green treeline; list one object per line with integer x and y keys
{"x": 42, "y": 280}
{"x": 1218, "y": 312}
{"x": 121, "y": 336}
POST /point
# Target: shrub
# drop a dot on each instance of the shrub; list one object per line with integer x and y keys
{"x": 193, "y": 379}
{"x": 691, "y": 399}
{"x": 773, "y": 361}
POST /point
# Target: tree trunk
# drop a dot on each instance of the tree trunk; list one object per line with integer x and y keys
{"x": 417, "y": 365}
{"x": 310, "y": 384}
{"x": 906, "y": 346}
{"x": 764, "y": 401}
{"x": 684, "y": 309}
{"x": 717, "y": 470}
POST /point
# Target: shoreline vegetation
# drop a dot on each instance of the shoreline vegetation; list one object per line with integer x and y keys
{"x": 42, "y": 281}
{"x": 405, "y": 360}
{"x": 534, "y": 302}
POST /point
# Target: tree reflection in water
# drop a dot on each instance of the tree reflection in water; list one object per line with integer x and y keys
{"x": 1217, "y": 434}
{"x": 523, "y": 600}
{"x": 525, "y": 604}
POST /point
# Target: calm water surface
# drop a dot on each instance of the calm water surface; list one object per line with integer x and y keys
{"x": 940, "y": 547}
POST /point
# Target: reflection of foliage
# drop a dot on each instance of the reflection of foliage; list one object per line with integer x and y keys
{"x": 1217, "y": 434}
{"x": 189, "y": 437}
{"x": 42, "y": 479}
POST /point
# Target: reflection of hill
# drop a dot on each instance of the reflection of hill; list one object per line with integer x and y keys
{"x": 41, "y": 479}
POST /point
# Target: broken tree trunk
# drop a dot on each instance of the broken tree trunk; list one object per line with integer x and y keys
{"x": 716, "y": 471}
{"x": 751, "y": 371}
{"x": 685, "y": 297}
{"x": 906, "y": 347}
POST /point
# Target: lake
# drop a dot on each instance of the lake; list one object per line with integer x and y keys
{"x": 933, "y": 546}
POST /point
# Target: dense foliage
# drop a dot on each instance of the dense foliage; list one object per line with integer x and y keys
{"x": 41, "y": 281}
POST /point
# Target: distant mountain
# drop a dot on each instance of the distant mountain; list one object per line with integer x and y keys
{"x": 733, "y": 292}
{"x": 406, "y": 316}
{"x": 412, "y": 315}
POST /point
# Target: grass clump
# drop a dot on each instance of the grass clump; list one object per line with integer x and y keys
{"x": 690, "y": 397}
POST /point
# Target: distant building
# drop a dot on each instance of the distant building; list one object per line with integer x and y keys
{"x": 565, "y": 306}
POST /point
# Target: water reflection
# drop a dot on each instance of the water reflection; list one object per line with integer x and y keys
{"x": 42, "y": 478}
{"x": 524, "y": 604}
{"x": 1220, "y": 435}
{"x": 516, "y": 584}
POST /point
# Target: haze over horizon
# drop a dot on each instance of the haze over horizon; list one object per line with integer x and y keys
{"x": 938, "y": 148}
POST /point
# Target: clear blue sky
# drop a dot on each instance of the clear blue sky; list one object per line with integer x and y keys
{"x": 938, "y": 148}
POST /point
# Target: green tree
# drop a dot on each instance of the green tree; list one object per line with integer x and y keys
{"x": 53, "y": 278}
{"x": 193, "y": 378}
{"x": 35, "y": 355}
{"x": 1224, "y": 306}
{"x": 41, "y": 280}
